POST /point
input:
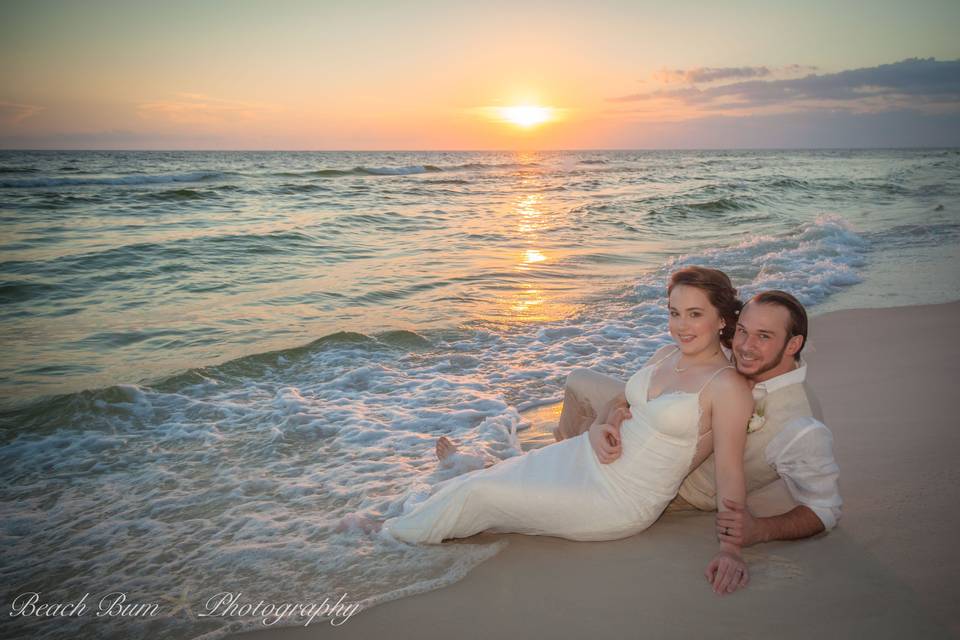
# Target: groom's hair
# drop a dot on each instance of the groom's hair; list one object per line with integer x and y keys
{"x": 798, "y": 315}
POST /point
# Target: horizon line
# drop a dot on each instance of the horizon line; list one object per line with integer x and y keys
{"x": 491, "y": 150}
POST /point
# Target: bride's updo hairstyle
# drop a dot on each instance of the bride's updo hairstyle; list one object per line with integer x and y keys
{"x": 719, "y": 291}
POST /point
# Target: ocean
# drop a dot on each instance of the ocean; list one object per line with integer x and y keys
{"x": 210, "y": 358}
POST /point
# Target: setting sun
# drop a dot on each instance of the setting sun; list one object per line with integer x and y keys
{"x": 526, "y": 115}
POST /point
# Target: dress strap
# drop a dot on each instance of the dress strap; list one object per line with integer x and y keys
{"x": 655, "y": 364}
{"x": 710, "y": 379}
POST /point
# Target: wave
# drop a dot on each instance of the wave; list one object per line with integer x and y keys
{"x": 813, "y": 261}
{"x": 166, "y": 445}
{"x": 379, "y": 296}
{"x": 18, "y": 170}
{"x": 786, "y": 182}
{"x": 719, "y": 205}
{"x": 195, "y": 176}
{"x": 114, "y": 264}
{"x": 13, "y": 292}
{"x": 398, "y": 171}
{"x": 916, "y": 235}
{"x": 445, "y": 181}
{"x": 294, "y": 188}
{"x": 382, "y": 221}
{"x": 180, "y": 195}
{"x": 360, "y": 171}
{"x": 883, "y": 187}
{"x": 493, "y": 165}
{"x": 401, "y": 171}
{"x": 724, "y": 204}
{"x": 40, "y": 414}
{"x": 456, "y": 167}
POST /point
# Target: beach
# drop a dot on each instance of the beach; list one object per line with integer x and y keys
{"x": 885, "y": 379}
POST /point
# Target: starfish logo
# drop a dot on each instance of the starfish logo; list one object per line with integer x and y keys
{"x": 181, "y": 603}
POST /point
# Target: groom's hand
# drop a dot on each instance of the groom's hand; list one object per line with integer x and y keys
{"x": 618, "y": 416}
{"x": 605, "y": 441}
{"x": 737, "y": 526}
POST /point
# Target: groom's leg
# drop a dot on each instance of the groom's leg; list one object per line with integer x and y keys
{"x": 576, "y": 416}
{"x": 586, "y": 394}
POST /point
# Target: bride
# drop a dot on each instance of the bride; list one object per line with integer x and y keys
{"x": 616, "y": 479}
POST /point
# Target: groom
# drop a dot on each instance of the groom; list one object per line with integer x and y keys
{"x": 788, "y": 462}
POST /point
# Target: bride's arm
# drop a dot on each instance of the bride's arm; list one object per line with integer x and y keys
{"x": 731, "y": 405}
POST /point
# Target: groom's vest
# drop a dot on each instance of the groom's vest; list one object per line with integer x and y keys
{"x": 780, "y": 407}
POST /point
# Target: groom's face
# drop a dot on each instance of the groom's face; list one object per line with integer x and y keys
{"x": 760, "y": 341}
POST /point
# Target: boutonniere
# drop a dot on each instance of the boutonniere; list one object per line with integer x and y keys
{"x": 757, "y": 419}
{"x": 759, "y": 416}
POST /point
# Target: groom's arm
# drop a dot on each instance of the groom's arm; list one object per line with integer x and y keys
{"x": 619, "y": 401}
{"x": 799, "y": 522}
{"x": 803, "y": 456}
{"x": 739, "y": 526}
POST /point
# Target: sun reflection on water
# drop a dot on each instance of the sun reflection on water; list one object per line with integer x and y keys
{"x": 529, "y": 297}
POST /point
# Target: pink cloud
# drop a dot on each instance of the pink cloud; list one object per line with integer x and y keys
{"x": 193, "y": 108}
{"x": 13, "y": 112}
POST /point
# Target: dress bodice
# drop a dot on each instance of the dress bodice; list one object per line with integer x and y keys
{"x": 674, "y": 414}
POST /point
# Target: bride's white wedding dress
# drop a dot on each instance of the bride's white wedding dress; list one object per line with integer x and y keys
{"x": 563, "y": 490}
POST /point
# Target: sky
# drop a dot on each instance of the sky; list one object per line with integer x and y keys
{"x": 418, "y": 75}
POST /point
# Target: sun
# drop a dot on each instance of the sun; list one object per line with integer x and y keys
{"x": 526, "y": 116}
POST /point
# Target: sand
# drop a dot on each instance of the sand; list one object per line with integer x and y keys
{"x": 886, "y": 380}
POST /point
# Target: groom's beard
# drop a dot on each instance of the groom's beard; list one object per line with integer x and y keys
{"x": 776, "y": 361}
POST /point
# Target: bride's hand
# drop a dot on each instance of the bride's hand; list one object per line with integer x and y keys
{"x": 727, "y": 572}
{"x": 605, "y": 441}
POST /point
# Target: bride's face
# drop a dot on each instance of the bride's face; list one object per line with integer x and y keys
{"x": 694, "y": 322}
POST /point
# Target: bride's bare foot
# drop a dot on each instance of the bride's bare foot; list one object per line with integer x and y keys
{"x": 445, "y": 448}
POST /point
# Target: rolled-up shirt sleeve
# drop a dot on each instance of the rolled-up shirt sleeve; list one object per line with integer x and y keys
{"x": 802, "y": 454}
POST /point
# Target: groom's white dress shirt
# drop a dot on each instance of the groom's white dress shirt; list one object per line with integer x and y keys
{"x": 802, "y": 454}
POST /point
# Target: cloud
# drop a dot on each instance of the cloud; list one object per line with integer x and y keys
{"x": 706, "y": 75}
{"x": 193, "y": 108}
{"x": 710, "y": 74}
{"x": 13, "y": 113}
{"x": 926, "y": 84}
